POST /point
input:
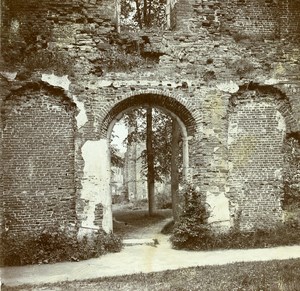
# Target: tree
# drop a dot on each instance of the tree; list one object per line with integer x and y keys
{"x": 139, "y": 14}
{"x": 115, "y": 158}
{"x": 162, "y": 134}
{"x": 150, "y": 161}
{"x": 174, "y": 167}
{"x": 162, "y": 140}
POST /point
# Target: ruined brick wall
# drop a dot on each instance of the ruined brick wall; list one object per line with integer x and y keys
{"x": 38, "y": 160}
{"x": 289, "y": 19}
{"x": 258, "y": 18}
{"x": 259, "y": 122}
{"x": 193, "y": 71}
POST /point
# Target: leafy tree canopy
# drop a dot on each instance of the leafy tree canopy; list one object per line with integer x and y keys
{"x": 138, "y": 14}
{"x": 162, "y": 139}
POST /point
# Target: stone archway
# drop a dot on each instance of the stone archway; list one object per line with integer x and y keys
{"x": 96, "y": 154}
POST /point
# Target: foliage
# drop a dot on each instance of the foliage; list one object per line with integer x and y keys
{"x": 242, "y": 67}
{"x": 138, "y": 14}
{"x": 291, "y": 176}
{"x": 260, "y": 238}
{"x": 192, "y": 226}
{"x": 247, "y": 38}
{"x": 29, "y": 42}
{"x": 285, "y": 234}
{"x": 55, "y": 244}
{"x": 116, "y": 160}
{"x": 116, "y": 59}
{"x": 162, "y": 140}
{"x": 192, "y": 231}
{"x": 163, "y": 200}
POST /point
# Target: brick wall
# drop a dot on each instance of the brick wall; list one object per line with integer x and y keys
{"x": 258, "y": 18}
{"x": 183, "y": 70}
{"x": 38, "y": 160}
{"x": 258, "y": 124}
{"x": 255, "y": 154}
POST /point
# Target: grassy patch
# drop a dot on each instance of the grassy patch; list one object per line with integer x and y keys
{"x": 127, "y": 221}
{"x": 272, "y": 275}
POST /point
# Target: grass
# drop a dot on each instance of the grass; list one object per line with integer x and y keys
{"x": 127, "y": 221}
{"x": 271, "y": 275}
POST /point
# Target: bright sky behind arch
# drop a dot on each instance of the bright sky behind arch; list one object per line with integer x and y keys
{"x": 120, "y": 132}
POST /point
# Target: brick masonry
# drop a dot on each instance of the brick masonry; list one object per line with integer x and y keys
{"x": 38, "y": 160}
{"x": 229, "y": 70}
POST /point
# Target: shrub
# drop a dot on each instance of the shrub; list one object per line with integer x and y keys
{"x": 242, "y": 67}
{"x": 192, "y": 226}
{"x": 291, "y": 176}
{"x": 163, "y": 201}
{"x": 287, "y": 234}
{"x": 192, "y": 231}
{"x": 55, "y": 244}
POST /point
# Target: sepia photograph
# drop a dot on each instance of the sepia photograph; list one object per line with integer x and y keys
{"x": 150, "y": 145}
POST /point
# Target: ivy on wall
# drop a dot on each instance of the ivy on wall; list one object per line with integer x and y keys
{"x": 292, "y": 172}
{"x": 26, "y": 38}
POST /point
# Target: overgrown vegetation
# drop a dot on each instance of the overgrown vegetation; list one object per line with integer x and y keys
{"x": 55, "y": 244}
{"x": 26, "y": 42}
{"x": 272, "y": 275}
{"x": 292, "y": 173}
{"x": 192, "y": 227}
{"x": 282, "y": 235}
{"x": 116, "y": 59}
{"x": 193, "y": 232}
{"x": 246, "y": 37}
{"x": 138, "y": 14}
{"x": 241, "y": 67}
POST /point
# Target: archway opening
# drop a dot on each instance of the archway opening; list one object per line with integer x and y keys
{"x": 129, "y": 183}
{"x": 145, "y": 196}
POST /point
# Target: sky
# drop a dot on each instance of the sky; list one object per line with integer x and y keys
{"x": 120, "y": 132}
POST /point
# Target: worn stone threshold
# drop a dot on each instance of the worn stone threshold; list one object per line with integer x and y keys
{"x": 140, "y": 241}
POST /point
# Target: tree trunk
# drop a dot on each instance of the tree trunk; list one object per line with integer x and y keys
{"x": 150, "y": 163}
{"x": 145, "y": 10}
{"x": 139, "y": 16}
{"x": 174, "y": 168}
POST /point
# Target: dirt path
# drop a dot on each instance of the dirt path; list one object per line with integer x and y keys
{"x": 151, "y": 231}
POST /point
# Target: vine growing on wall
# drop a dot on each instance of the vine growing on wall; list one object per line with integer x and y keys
{"x": 26, "y": 40}
{"x": 291, "y": 176}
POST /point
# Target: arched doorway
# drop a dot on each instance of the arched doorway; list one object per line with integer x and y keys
{"x": 175, "y": 108}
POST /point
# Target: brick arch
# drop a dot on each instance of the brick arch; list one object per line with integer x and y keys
{"x": 41, "y": 86}
{"x": 38, "y": 157}
{"x": 270, "y": 94}
{"x": 164, "y": 100}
